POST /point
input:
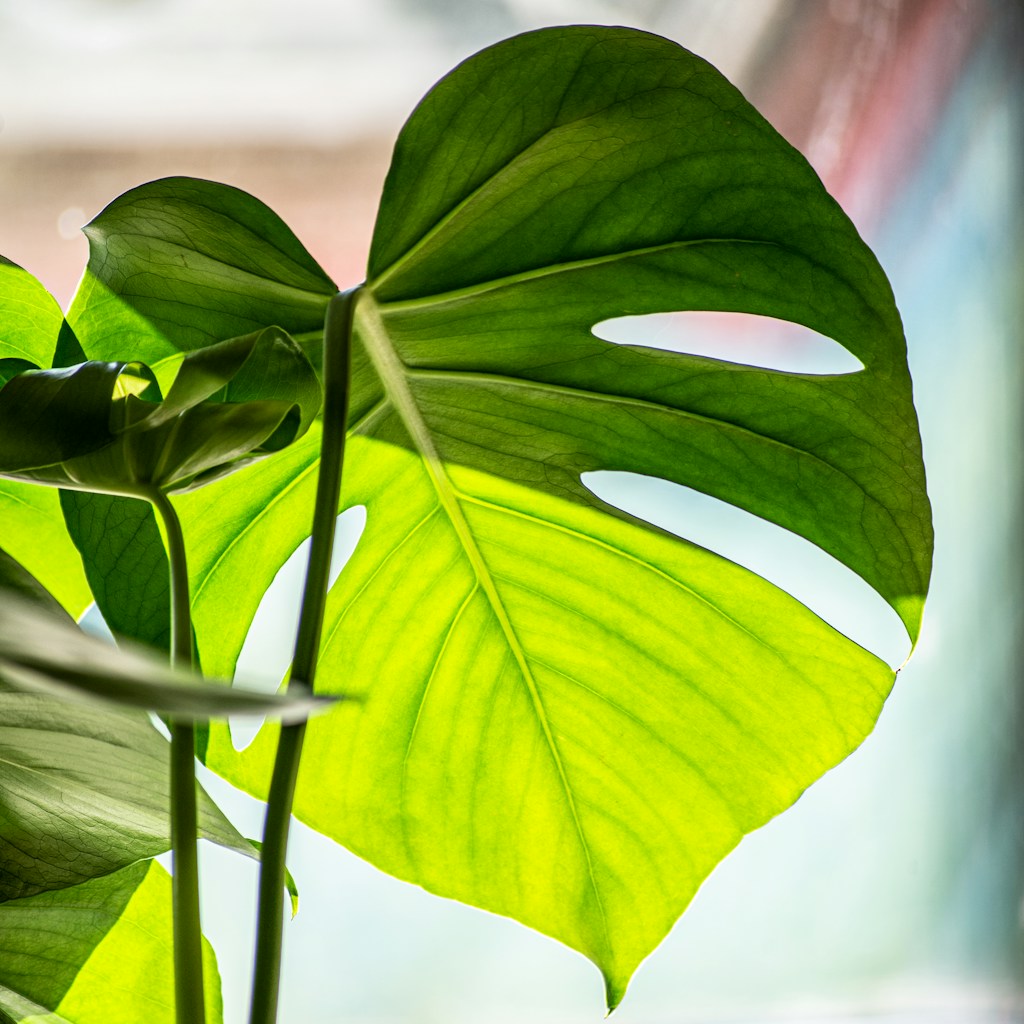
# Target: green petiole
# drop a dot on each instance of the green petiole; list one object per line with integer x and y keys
{"x": 270, "y": 913}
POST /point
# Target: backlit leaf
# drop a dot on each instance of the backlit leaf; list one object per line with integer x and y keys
{"x": 570, "y": 717}
{"x": 96, "y": 953}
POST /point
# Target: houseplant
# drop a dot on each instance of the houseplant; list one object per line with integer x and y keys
{"x": 558, "y": 712}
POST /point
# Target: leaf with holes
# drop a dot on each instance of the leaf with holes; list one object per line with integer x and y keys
{"x": 570, "y": 716}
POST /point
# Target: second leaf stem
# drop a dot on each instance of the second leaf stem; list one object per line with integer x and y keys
{"x": 188, "y": 940}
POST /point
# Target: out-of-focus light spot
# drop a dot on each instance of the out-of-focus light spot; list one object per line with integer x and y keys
{"x": 70, "y": 221}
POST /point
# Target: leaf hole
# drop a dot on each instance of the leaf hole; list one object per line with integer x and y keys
{"x": 743, "y": 338}
{"x": 267, "y": 652}
{"x": 93, "y": 623}
{"x": 816, "y": 579}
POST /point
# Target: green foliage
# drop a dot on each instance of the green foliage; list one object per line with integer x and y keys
{"x": 566, "y": 715}
{"x": 85, "y": 784}
{"x": 109, "y": 430}
{"x": 45, "y": 654}
{"x": 95, "y": 953}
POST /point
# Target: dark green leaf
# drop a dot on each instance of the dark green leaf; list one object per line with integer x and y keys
{"x": 125, "y": 562}
{"x": 86, "y": 785}
{"x": 85, "y": 793}
{"x": 48, "y": 416}
{"x": 203, "y": 429}
{"x": 96, "y": 953}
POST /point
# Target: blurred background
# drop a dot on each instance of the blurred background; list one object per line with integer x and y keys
{"x": 893, "y": 889}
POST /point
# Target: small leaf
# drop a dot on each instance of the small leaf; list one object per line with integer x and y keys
{"x": 30, "y": 318}
{"x": 106, "y": 429}
{"x": 45, "y": 654}
{"x": 289, "y": 882}
{"x": 180, "y": 263}
{"x": 125, "y": 563}
{"x": 48, "y": 416}
{"x": 96, "y": 953}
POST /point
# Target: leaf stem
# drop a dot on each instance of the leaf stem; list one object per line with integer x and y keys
{"x": 270, "y": 919}
{"x": 188, "y": 942}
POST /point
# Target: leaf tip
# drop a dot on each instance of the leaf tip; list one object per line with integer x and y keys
{"x": 614, "y": 991}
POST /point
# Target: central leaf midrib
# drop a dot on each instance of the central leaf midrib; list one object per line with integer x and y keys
{"x": 393, "y": 375}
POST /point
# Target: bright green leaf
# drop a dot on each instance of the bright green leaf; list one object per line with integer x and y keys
{"x": 32, "y": 530}
{"x": 30, "y": 521}
{"x": 570, "y": 717}
{"x": 17, "y": 583}
{"x": 30, "y": 318}
{"x": 96, "y": 953}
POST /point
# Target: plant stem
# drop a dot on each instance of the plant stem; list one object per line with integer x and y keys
{"x": 188, "y": 941}
{"x": 270, "y": 920}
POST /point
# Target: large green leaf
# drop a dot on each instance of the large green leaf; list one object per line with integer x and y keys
{"x": 96, "y": 953}
{"x": 570, "y": 716}
{"x": 174, "y": 266}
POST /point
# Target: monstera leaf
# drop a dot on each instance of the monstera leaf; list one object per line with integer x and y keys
{"x": 570, "y": 716}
